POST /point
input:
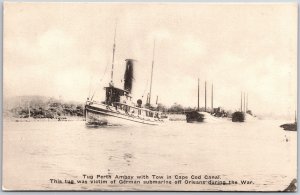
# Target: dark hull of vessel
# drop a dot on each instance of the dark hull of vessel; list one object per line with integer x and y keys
{"x": 238, "y": 117}
{"x": 289, "y": 126}
{"x": 194, "y": 117}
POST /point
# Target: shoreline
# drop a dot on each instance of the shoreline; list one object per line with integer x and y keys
{"x": 44, "y": 119}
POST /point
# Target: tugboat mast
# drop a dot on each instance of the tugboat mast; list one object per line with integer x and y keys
{"x": 151, "y": 74}
{"x": 113, "y": 58}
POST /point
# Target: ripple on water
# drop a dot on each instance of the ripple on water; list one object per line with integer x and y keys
{"x": 255, "y": 151}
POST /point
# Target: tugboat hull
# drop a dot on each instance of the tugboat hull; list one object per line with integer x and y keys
{"x": 101, "y": 114}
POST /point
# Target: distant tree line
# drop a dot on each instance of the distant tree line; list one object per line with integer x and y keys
{"x": 175, "y": 108}
{"x": 41, "y": 108}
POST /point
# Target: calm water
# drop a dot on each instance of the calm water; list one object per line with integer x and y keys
{"x": 35, "y": 152}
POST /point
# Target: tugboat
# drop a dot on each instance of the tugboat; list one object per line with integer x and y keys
{"x": 118, "y": 108}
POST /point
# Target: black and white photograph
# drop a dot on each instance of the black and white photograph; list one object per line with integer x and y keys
{"x": 136, "y": 96}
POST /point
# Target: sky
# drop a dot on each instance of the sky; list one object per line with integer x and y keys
{"x": 65, "y": 50}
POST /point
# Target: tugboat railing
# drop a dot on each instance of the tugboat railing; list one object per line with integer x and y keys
{"x": 124, "y": 109}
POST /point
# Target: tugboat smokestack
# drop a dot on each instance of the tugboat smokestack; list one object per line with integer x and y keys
{"x": 129, "y": 75}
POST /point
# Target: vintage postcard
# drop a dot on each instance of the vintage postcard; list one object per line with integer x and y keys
{"x": 150, "y": 96}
